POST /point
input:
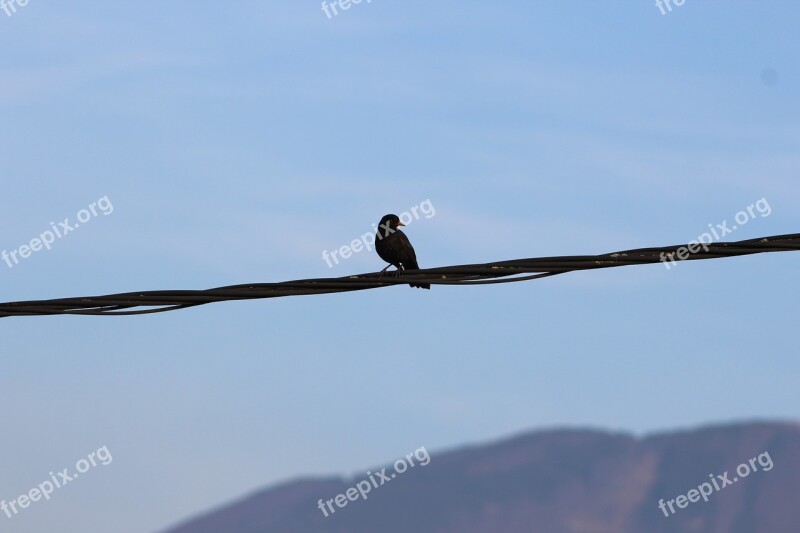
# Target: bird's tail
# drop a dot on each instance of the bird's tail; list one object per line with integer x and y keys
{"x": 412, "y": 265}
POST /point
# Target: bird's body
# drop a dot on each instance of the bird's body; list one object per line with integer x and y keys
{"x": 394, "y": 247}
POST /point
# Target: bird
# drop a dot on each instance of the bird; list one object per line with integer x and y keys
{"x": 394, "y": 247}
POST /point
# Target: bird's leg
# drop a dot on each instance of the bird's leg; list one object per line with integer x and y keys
{"x": 384, "y": 270}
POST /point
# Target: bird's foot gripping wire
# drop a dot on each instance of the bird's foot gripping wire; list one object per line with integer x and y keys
{"x": 395, "y": 273}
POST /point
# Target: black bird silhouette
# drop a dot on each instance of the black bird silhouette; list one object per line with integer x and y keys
{"x": 394, "y": 247}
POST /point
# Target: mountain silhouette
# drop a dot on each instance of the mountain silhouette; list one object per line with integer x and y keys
{"x": 576, "y": 481}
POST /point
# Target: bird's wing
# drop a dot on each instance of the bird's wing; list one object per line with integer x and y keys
{"x": 407, "y": 251}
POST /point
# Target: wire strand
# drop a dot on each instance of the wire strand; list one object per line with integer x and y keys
{"x": 511, "y": 271}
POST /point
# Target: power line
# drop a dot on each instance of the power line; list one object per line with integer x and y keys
{"x": 135, "y": 303}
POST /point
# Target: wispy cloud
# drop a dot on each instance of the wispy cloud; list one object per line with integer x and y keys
{"x": 26, "y": 84}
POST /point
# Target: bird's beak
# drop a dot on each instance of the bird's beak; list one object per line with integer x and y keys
{"x": 400, "y": 224}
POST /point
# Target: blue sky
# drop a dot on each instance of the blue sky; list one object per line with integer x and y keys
{"x": 237, "y": 142}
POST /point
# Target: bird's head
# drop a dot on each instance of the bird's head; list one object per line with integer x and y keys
{"x": 389, "y": 222}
